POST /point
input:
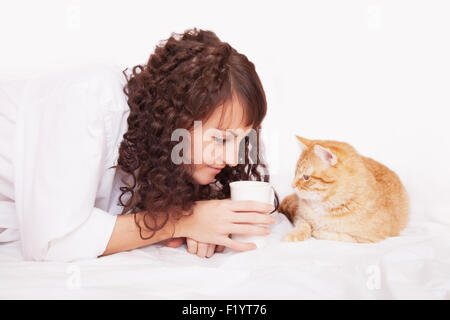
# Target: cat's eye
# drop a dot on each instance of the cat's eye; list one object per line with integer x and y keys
{"x": 306, "y": 177}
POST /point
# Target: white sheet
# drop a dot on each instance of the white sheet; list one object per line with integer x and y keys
{"x": 414, "y": 265}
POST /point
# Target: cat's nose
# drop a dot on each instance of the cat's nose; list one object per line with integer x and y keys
{"x": 294, "y": 184}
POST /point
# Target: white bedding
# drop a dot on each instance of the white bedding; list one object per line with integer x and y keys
{"x": 414, "y": 265}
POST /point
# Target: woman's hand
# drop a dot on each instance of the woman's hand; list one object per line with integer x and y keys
{"x": 199, "y": 248}
{"x": 202, "y": 249}
{"x": 174, "y": 242}
{"x": 213, "y": 220}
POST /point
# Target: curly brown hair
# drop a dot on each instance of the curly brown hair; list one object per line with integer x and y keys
{"x": 187, "y": 77}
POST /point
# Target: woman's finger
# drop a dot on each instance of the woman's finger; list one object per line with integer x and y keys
{"x": 252, "y": 217}
{"x": 211, "y": 250}
{"x": 191, "y": 245}
{"x": 251, "y": 205}
{"x": 202, "y": 248}
{"x": 249, "y": 230}
{"x": 238, "y": 246}
{"x": 175, "y": 242}
{"x": 221, "y": 248}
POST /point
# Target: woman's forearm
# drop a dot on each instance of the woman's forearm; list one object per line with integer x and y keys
{"x": 125, "y": 235}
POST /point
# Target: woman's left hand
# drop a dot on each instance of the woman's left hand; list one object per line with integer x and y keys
{"x": 174, "y": 242}
{"x": 202, "y": 249}
{"x": 199, "y": 248}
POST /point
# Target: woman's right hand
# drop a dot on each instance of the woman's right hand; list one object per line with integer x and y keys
{"x": 213, "y": 220}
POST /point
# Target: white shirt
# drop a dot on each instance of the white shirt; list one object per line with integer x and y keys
{"x": 59, "y": 136}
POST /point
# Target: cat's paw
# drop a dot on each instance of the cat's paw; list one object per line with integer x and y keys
{"x": 283, "y": 207}
{"x": 334, "y": 236}
{"x": 289, "y": 206}
{"x": 296, "y": 235}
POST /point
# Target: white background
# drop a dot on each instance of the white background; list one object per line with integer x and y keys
{"x": 375, "y": 74}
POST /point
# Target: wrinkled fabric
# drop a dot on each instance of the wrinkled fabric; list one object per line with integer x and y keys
{"x": 60, "y": 134}
{"x": 415, "y": 265}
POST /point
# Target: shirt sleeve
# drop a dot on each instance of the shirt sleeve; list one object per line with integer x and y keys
{"x": 60, "y": 154}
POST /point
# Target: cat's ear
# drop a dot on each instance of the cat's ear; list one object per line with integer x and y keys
{"x": 303, "y": 143}
{"x": 325, "y": 154}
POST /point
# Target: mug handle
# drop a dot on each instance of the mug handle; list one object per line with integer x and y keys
{"x": 275, "y": 200}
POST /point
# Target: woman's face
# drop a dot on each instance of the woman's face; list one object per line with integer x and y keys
{"x": 215, "y": 145}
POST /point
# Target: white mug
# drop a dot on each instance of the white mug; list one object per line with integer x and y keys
{"x": 252, "y": 190}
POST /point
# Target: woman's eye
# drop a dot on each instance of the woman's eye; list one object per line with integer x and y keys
{"x": 306, "y": 177}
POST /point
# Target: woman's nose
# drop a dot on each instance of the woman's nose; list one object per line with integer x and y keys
{"x": 233, "y": 163}
{"x": 232, "y": 156}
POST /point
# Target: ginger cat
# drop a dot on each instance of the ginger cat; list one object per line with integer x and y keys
{"x": 344, "y": 196}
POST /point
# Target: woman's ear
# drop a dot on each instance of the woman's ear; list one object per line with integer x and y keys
{"x": 303, "y": 143}
{"x": 325, "y": 154}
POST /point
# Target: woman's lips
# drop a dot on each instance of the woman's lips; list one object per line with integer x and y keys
{"x": 216, "y": 170}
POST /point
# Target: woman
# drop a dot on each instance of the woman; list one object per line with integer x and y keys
{"x": 69, "y": 146}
